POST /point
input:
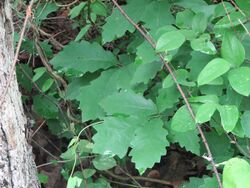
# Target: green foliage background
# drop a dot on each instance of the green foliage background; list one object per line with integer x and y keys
{"x": 131, "y": 102}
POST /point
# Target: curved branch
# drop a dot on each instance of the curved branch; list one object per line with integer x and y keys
{"x": 152, "y": 43}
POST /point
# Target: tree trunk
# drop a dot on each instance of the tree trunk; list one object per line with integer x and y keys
{"x": 17, "y": 167}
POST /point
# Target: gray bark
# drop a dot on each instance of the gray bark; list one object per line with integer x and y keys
{"x": 17, "y": 167}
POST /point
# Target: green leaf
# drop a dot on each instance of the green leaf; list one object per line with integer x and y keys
{"x": 115, "y": 27}
{"x": 119, "y": 131}
{"x": 74, "y": 181}
{"x": 154, "y": 14}
{"x": 148, "y": 145}
{"x": 205, "y": 99}
{"x": 129, "y": 103}
{"x": 181, "y": 75}
{"x": 213, "y": 70}
{"x": 104, "y": 162}
{"x": 116, "y": 24}
{"x": 82, "y": 33}
{"x": 244, "y": 6}
{"x": 85, "y": 146}
{"x": 43, "y": 10}
{"x": 88, "y": 172}
{"x": 39, "y": 72}
{"x": 238, "y": 130}
{"x": 45, "y": 106}
{"x": 83, "y": 57}
{"x": 245, "y": 123}
{"x": 188, "y": 34}
{"x": 69, "y": 154}
{"x": 193, "y": 183}
{"x": 136, "y": 9}
{"x": 79, "y": 82}
{"x": 240, "y": 80}
{"x": 192, "y": 4}
{"x": 189, "y": 139}
{"x": 182, "y": 120}
{"x": 108, "y": 83}
{"x": 230, "y": 20}
{"x": 219, "y": 10}
{"x": 99, "y": 8}
{"x": 197, "y": 62}
{"x": 246, "y": 44}
{"x": 205, "y": 112}
{"x": 82, "y": 147}
{"x": 146, "y": 53}
{"x": 170, "y": 41}
{"x": 157, "y": 14}
{"x": 47, "y": 84}
{"x": 184, "y": 19}
{"x": 77, "y": 10}
{"x": 203, "y": 44}
{"x": 167, "y": 97}
{"x": 219, "y": 145}
{"x": 236, "y": 173}
{"x": 209, "y": 182}
{"x": 24, "y": 79}
{"x": 100, "y": 183}
{"x": 229, "y": 116}
{"x": 199, "y": 23}
{"x": 205, "y": 182}
{"x": 145, "y": 72}
{"x": 232, "y": 50}
{"x": 43, "y": 178}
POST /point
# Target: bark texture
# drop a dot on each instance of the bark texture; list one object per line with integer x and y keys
{"x": 17, "y": 167}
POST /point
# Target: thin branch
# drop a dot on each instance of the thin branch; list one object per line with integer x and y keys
{"x": 127, "y": 174}
{"x": 38, "y": 128}
{"x": 57, "y": 45}
{"x": 178, "y": 87}
{"x": 66, "y": 5}
{"x": 247, "y": 32}
{"x": 12, "y": 67}
{"x": 62, "y": 161}
{"x": 125, "y": 184}
{"x": 82, "y": 169}
{"x": 48, "y": 67}
{"x": 238, "y": 8}
{"x": 139, "y": 178}
{"x": 241, "y": 150}
{"x": 46, "y": 151}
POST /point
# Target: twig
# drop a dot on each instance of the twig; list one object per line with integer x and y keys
{"x": 139, "y": 178}
{"x": 228, "y": 16}
{"x": 57, "y": 45}
{"x": 48, "y": 67}
{"x": 62, "y": 161}
{"x": 234, "y": 141}
{"x": 82, "y": 169}
{"x": 12, "y": 67}
{"x": 66, "y": 5}
{"x": 130, "y": 176}
{"x": 238, "y": 8}
{"x": 247, "y": 32}
{"x": 46, "y": 151}
{"x": 178, "y": 87}
{"x": 126, "y": 184}
{"x": 39, "y": 127}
